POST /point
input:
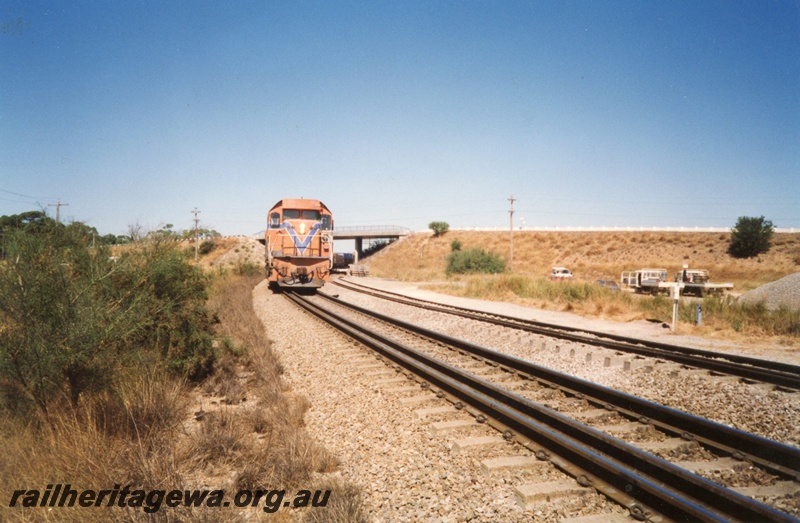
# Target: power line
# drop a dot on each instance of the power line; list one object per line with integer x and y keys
{"x": 26, "y": 195}
{"x": 15, "y": 201}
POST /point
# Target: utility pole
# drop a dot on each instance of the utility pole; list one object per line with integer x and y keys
{"x": 196, "y": 235}
{"x": 57, "y": 205}
{"x": 511, "y": 231}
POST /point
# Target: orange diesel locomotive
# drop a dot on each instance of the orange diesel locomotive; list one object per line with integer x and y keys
{"x": 299, "y": 244}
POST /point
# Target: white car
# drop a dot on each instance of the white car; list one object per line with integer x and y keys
{"x": 560, "y": 273}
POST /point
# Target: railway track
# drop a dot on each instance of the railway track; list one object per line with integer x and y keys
{"x": 784, "y": 376}
{"x": 550, "y": 414}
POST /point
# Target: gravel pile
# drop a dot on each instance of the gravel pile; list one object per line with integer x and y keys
{"x": 781, "y": 293}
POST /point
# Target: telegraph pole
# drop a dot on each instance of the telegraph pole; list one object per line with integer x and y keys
{"x": 196, "y": 235}
{"x": 511, "y": 231}
{"x": 57, "y": 205}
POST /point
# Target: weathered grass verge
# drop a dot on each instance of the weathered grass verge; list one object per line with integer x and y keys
{"x": 145, "y": 432}
{"x": 258, "y": 433}
{"x": 720, "y": 314}
{"x": 604, "y": 255}
{"x": 749, "y": 319}
{"x": 564, "y": 296}
{"x": 125, "y": 438}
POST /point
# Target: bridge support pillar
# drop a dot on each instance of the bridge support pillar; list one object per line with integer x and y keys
{"x": 360, "y": 247}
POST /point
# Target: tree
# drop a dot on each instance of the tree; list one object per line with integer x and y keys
{"x": 81, "y": 230}
{"x": 204, "y": 233}
{"x": 750, "y": 237}
{"x": 136, "y": 232}
{"x": 164, "y": 233}
{"x": 439, "y": 228}
{"x": 30, "y": 221}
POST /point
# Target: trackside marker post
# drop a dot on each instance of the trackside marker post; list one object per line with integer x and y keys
{"x": 675, "y": 290}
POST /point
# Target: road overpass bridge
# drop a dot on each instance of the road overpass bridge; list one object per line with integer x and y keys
{"x": 370, "y": 232}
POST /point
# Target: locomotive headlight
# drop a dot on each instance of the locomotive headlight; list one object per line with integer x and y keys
{"x": 302, "y": 228}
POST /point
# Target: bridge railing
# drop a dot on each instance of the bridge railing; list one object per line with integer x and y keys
{"x": 614, "y": 229}
{"x": 393, "y": 230}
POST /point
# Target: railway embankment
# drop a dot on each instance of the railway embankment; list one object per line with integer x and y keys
{"x": 593, "y": 255}
{"x": 422, "y": 258}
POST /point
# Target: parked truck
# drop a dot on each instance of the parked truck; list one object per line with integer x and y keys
{"x": 645, "y": 281}
{"x": 693, "y": 282}
{"x": 696, "y": 282}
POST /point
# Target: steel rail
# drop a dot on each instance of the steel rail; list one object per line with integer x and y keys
{"x": 778, "y": 457}
{"x": 773, "y": 372}
{"x": 621, "y": 471}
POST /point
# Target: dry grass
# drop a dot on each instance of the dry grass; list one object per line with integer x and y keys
{"x": 123, "y": 440}
{"x": 147, "y": 434}
{"x": 592, "y": 256}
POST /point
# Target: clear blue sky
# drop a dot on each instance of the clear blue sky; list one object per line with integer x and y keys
{"x": 591, "y": 113}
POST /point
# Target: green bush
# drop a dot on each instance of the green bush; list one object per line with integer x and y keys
{"x": 206, "y": 246}
{"x": 455, "y": 245}
{"x": 750, "y": 237}
{"x": 439, "y": 228}
{"x": 170, "y": 292}
{"x": 73, "y": 319}
{"x": 474, "y": 261}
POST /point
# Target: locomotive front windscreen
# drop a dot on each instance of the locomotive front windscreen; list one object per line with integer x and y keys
{"x": 326, "y": 223}
{"x": 305, "y": 214}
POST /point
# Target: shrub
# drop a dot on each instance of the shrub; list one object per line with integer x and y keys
{"x": 439, "y": 228}
{"x": 474, "y": 260}
{"x": 247, "y": 268}
{"x": 176, "y": 321}
{"x": 455, "y": 245}
{"x": 750, "y": 237}
{"x": 376, "y": 247}
{"x": 73, "y": 319}
{"x": 206, "y": 246}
